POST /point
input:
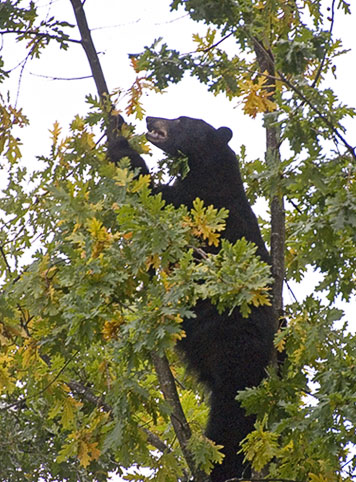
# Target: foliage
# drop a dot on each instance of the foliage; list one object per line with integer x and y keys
{"x": 110, "y": 272}
{"x": 310, "y": 429}
{"x": 97, "y": 273}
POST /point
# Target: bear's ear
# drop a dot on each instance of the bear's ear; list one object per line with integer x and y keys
{"x": 225, "y": 134}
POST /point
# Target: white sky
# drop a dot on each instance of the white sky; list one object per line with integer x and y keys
{"x": 123, "y": 27}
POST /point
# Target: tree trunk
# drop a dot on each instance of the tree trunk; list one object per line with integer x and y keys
{"x": 273, "y": 159}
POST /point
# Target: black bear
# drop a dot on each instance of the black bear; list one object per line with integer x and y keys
{"x": 227, "y": 352}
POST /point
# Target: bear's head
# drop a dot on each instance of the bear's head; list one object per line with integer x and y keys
{"x": 191, "y": 137}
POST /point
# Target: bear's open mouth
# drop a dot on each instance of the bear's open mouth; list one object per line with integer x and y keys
{"x": 156, "y": 134}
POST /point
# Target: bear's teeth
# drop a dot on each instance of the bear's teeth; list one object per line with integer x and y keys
{"x": 157, "y": 134}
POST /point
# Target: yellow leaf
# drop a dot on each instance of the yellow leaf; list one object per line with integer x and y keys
{"x": 123, "y": 176}
{"x": 134, "y": 64}
{"x": 77, "y": 124}
{"x": 87, "y": 452}
{"x": 100, "y": 234}
{"x": 7, "y": 382}
{"x": 261, "y": 298}
{"x": 30, "y": 353}
{"x": 127, "y": 236}
{"x": 141, "y": 183}
{"x": 256, "y": 95}
{"x": 95, "y": 452}
{"x": 153, "y": 261}
{"x": 280, "y": 346}
{"x": 317, "y": 478}
{"x": 94, "y": 227}
{"x": 83, "y": 454}
{"x": 55, "y": 132}
{"x": 207, "y": 222}
{"x": 259, "y": 6}
{"x": 111, "y": 329}
{"x": 69, "y": 408}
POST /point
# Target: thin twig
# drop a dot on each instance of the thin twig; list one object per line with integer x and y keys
{"x": 8, "y": 267}
{"x": 35, "y": 33}
{"x": 321, "y": 66}
{"x": 291, "y": 291}
{"x": 217, "y": 43}
{"x": 320, "y": 114}
{"x": 43, "y": 390}
{"x": 50, "y": 77}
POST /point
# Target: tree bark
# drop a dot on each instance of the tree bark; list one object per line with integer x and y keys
{"x": 89, "y": 48}
{"x": 178, "y": 419}
{"x": 115, "y": 121}
{"x": 273, "y": 159}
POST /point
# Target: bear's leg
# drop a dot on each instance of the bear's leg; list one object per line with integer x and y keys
{"x": 227, "y": 426}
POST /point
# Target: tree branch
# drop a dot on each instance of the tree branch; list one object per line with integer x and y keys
{"x": 115, "y": 122}
{"x": 89, "y": 48}
{"x": 218, "y": 42}
{"x": 86, "y": 394}
{"x": 320, "y": 114}
{"x": 50, "y": 77}
{"x": 8, "y": 267}
{"x": 155, "y": 441}
{"x": 35, "y": 33}
{"x": 266, "y": 64}
{"x": 332, "y": 20}
{"x": 178, "y": 419}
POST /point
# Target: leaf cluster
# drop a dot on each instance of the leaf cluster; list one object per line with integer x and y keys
{"x": 98, "y": 274}
{"x": 307, "y": 414}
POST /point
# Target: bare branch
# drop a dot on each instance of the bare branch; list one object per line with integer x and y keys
{"x": 326, "y": 48}
{"x": 115, "y": 122}
{"x": 50, "y": 77}
{"x": 86, "y": 394}
{"x": 155, "y": 441}
{"x": 37, "y": 34}
{"x": 89, "y": 48}
{"x": 219, "y": 42}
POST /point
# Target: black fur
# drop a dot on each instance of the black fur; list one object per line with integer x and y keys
{"x": 228, "y": 353}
